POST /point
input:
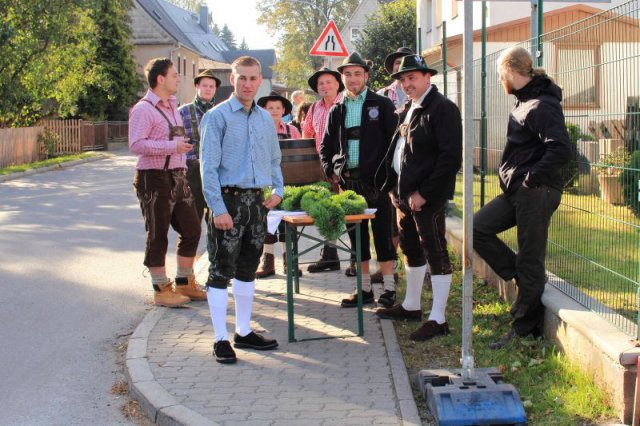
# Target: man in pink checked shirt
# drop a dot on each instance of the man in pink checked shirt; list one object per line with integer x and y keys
{"x": 157, "y": 137}
{"x": 328, "y": 84}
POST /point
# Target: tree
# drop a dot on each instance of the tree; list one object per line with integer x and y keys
{"x": 243, "y": 45}
{"x": 46, "y": 50}
{"x": 117, "y": 83}
{"x": 228, "y": 38}
{"x": 298, "y": 24}
{"x": 392, "y": 26}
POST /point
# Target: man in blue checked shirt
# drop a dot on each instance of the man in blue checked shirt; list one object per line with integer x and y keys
{"x": 240, "y": 155}
{"x": 358, "y": 133}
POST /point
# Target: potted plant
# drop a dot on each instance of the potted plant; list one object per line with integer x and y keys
{"x": 609, "y": 175}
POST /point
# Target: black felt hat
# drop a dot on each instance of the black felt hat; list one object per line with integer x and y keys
{"x": 313, "y": 80}
{"x": 208, "y": 73}
{"x": 413, "y": 63}
{"x": 354, "y": 60}
{"x": 391, "y": 58}
{"x": 273, "y": 96}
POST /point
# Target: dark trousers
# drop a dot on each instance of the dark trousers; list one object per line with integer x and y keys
{"x": 195, "y": 182}
{"x": 530, "y": 211}
{"x": 381, "y": 225}
{"x": 278, "y": 236}
{"x": 235, "y": 253}
{"x": 422, "y": 236}
{"x": 166, "y": 200}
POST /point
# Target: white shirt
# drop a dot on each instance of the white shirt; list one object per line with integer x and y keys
{"x": 397, "y": 153}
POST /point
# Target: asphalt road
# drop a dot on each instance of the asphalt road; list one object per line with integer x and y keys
{"x": 71, "y": 281}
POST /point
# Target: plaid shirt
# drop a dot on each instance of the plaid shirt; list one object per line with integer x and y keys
{"x": 395, "y": 93}
{"x": 149, "y": 133}
{"x": 353, "y": 119}
{"x": 315, "y": 123}
{"x": 185, "y": 112}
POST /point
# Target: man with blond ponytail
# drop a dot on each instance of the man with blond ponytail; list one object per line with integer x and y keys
{"x": 537, "y": 148}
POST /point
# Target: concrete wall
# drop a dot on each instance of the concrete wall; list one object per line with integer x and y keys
{"x": 592, "y": 343}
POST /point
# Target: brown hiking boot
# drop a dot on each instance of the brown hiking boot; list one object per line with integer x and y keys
{"x": 167, "y": 296}
{"x": 268, "y": 267}
{"x": 191, "y": 288}
{"x": 284, "y": 265}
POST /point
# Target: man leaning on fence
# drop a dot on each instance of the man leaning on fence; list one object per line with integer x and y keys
{"x": 156, "y": 136}
{"x": 537, "y": 148}
{"x": 206, "y": 84}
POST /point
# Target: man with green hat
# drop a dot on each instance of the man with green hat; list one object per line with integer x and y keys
{"x": 206, "y": 86}
{"x": 357, "y": 136}
{"x": 419, "y": 175}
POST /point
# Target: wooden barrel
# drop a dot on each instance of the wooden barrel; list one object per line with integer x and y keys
{"x": 300, "y": 162}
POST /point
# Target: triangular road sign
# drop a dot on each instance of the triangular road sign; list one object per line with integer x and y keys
{"x": 329, "y": 43}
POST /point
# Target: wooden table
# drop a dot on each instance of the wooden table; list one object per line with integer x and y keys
{"x": 294, "y": 230}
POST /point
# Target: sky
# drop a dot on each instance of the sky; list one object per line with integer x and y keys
{"x": 240, "y": 16}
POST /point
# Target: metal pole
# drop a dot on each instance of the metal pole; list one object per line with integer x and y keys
{"x": 540, "y": 31}
{"x": 467, "y": 242}
{"x": 483, "y": 106}
{"x": 444, "y": 57}
{"x": 534, "y": 27}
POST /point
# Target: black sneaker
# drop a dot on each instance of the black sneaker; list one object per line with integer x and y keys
{"x": 223, "y": 352}
{"x": 387, "y": 299}
{"x": 352, "y": 300}
{"x": 504, "y": 340}
{"x": 253, "y": 341}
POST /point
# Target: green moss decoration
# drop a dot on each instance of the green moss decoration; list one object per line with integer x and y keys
{"x": 327, "y": 210}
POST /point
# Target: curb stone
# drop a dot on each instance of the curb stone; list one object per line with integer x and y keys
{"x": 60, "y": 166}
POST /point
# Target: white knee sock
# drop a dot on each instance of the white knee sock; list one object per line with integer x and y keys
{"x": 268, "y": 249}
{"x": 440, "y": 284}
{"x": 366, "y": 282}
{"x": 218, "y": 299}
{"x": 388, "y": 283}
{"x": 243, "y": 295}
{"x": 415, "y": 278}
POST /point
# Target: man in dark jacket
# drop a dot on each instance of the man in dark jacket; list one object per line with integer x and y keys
{"x": 419, "y": 174}
{"x": 358, "y": 132}
{"x": 537, "y": 148}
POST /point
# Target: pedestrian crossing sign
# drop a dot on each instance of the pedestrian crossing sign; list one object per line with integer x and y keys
{"x": 329, "y": 43}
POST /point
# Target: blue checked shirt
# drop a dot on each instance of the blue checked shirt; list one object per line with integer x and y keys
{"x": 353, "y": 119}
{"x": 238, "y": 148}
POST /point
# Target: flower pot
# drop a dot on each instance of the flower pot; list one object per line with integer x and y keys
{"x": 611, "y": 189}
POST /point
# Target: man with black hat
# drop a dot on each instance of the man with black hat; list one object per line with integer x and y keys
{"x": 328, "y": 84}
{"x": 358, "y": 132}
{"x": 391, "y": 65}
{"x": 206, "y": 84}
{"x": 419, "y": 174}
{"x": 278, "y": 107}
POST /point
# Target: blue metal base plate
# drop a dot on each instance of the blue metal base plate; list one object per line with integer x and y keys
{"x": 487, "y": 400}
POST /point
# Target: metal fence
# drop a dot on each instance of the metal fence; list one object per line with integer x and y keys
{"x": 594, "y": 239}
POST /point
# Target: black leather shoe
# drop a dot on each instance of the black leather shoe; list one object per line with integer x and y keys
{"x": 223, "y": 352}
{"x": 352, "y": 300}
{"x": 387, "y": 299}
{"x": 429, "y": 330}
{"x": 253, "y": 341}
{"x": 504, "y": 340}
{"x": 351, "y": 270}
{"x": 398, "y": 312}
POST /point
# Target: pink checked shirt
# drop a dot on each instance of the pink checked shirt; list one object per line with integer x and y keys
{"x": 149, "y": 133}
{"x": 316, "y": 122}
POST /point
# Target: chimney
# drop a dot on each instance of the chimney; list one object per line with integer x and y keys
{"x": 204, "y": 17}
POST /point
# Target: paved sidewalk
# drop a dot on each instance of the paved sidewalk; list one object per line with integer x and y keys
{"x": 344, "y": 381}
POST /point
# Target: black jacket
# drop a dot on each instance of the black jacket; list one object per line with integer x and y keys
{"x": 377, "y": 125}
{"x": 432, "y": 155}
{"x": 537, "y": 139}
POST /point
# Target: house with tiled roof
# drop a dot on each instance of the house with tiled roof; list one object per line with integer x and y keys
{"x": 162, "y": 29}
